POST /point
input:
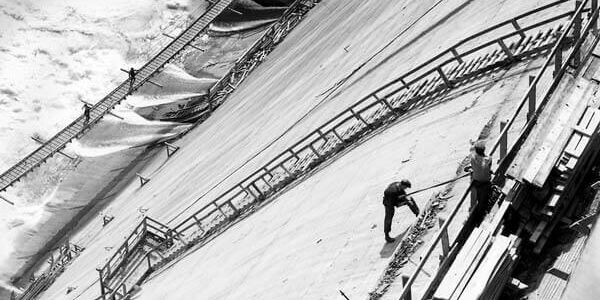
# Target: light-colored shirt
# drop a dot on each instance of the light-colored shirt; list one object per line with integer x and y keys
{"x": 481, "y": 166}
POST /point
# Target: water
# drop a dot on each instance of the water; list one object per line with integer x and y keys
{"x": 53, "y": 54}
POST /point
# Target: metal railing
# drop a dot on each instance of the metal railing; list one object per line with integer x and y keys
{"x": 578, "y": 37}
{"x": 65, "y": 254}
{"x": 247, "y": 61}
{"x": 389, "y": 101}
{"x": 100, "y": 109}
{"x": 417, "y": 88}
{"x": 132, "y": 242}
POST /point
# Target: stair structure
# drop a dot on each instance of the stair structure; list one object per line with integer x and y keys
{"x": 546, "y": 161}
{"x": 104, "y": 106}
{"x": 421, "y": 87}
{"x": 514, "y": 40}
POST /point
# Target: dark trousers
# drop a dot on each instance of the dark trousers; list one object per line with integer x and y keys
{"x": 389, "y": 214}
{"x": 483, "y": 192}
{"x": 387, "y": 221}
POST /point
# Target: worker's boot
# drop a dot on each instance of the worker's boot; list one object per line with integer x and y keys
{"x": 389, "y": 239}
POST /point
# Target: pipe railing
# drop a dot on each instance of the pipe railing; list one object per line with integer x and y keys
{"x": 350, "y": 124}
{"x": 226, "y": 84}
{"x": 344, "y": 127}
{"x": 557, "y": 50}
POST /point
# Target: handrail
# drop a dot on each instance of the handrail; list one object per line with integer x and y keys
{"x": 317, "y": 145}
{"x": 320, "y": 134}
{"x": 102, "y": 107}
{"x": 562, "y": 41}
{"x": 220, "y": 89}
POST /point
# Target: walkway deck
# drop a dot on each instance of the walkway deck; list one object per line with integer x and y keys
{"x": 79, "y": 126}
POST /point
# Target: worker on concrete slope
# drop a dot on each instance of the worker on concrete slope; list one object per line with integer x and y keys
{"x": 481, "y": 179}
{"x": 395, "y": 196}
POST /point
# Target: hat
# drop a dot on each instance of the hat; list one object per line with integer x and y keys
{"x": 405, "y": 182}
{"x": 479, "y": 145}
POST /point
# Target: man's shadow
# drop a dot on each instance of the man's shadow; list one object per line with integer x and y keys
{"x": 389, "y": 248}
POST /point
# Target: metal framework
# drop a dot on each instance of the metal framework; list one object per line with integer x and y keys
{"x": 561, "y": 61}
{"x": 103, "y": 107}
{"x": 420, "y": 87}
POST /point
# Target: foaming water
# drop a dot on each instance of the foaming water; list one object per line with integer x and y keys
{"x": 108, "y": 151}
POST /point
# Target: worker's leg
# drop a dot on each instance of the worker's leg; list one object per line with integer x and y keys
{"x": 387, "y": 221}
{"x": 473, "y": 197}
{"x": 413, "y": 207}
{"x": 484, "y": 193}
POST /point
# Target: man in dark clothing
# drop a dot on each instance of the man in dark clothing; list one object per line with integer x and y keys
{"x": 131, "y": 80}
{"x": 86, "y": 113}
{"x": 395, "y": 196}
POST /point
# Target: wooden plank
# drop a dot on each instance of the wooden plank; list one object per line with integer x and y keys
{"x": 568, "y": 113}
{"x": 538, "y": 231}
{"x": 465, "y": 260}
{"x": 498, "y": 217}
{"x": 586, "y": 117}
{"x": 473, "y": 265}
{"x": 571, "y": 163}
{"x": 572, "y": 144}
{"x": 553, "y": 200}
{"x": 451, "y": 278}
{"x": 489, "y": 267}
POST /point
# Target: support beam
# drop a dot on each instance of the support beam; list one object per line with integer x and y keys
{"x": 503, "y": 140}
{"x": 576, "y": 35}
{"x": 445, "y": 240}
{"x": 213, "y": 2}
{"x": 506, "y": 50}
{"x": 190, "y": 44}
{"x": 405, "y": 279}
{"x": 148, "y": 80}
{"x": 109, "y": 112}
{"x": 41, "y": 142}
{"x": 143, "y": 180}
{"x": 557, "y": 61}
{"x": 456, "y": 55}
{"x": 532, "y": 96}
{"x": 444, "y": 77}
{"x": 171, "y": 149}
{"x": 7, "y": 201}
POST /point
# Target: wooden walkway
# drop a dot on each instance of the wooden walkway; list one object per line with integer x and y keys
{"x": 79, "y": 126}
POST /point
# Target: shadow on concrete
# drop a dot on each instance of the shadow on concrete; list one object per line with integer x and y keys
{"x": 388, "y": 249}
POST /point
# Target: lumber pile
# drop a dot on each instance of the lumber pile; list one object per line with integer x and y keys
{"x": 482, "y": 267}
{"x": 555, "y": 200}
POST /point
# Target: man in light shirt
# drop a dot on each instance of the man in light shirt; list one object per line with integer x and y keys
{"x": 481, "y": 179}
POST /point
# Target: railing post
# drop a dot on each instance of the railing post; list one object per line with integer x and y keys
{"x": 102, "y": 289}
{"x": 506, "y": 50}
{"x": 503, "y": 140}
{"x": 594, "y": 21}
{"x": 404, "y": 281}
{"x": 518, "y": 28}
{"x": 557, "y": 60}
{"x": 445, "y": 240}
{"x": 143, "y": 180}
{"x": 532, "y": 92}
{"x": 456, "y": 55}
{"x": 576, "y": 35}
{"x": 171, "y": 149}
{"x": 444, "y": 77}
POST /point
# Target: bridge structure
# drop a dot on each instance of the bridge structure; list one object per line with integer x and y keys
{"x": 496, "y": 48}
{"x": 82, "y": 124}
{"x": 557, "y": 35}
